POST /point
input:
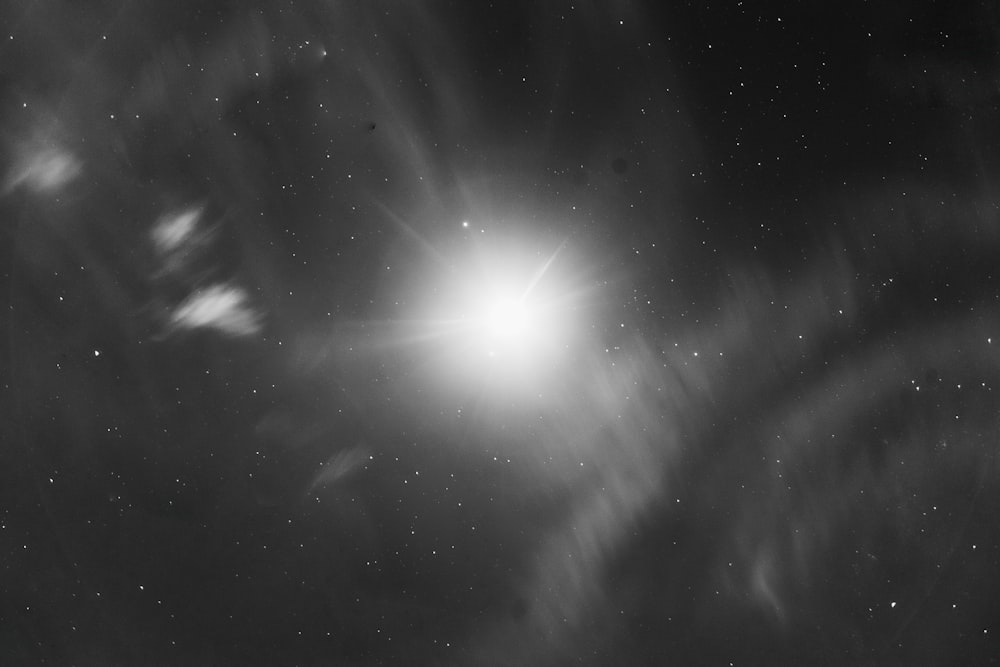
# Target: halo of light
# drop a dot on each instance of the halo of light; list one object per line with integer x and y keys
{"x": 498, "y": 319}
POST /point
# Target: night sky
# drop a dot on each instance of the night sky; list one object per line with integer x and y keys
{"x": 511, "y": 333}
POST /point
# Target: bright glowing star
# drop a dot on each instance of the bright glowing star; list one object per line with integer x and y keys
{"x": 510, "y": 314}
{"x": 497, "y": 319}
{"x": 507, "y": 319}
{"x": 507, "y": 326}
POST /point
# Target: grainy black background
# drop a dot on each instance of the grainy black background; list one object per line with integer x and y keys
{"x": 774, "y": 440}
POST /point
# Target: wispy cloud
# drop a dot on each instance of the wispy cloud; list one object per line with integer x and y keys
{"x": 343, "y": 463}
{"x": 173, "y": 231}
{"x": 220, "y": 307}
{"x": 42, "y": 170}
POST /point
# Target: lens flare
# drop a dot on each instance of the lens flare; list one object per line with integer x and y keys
{"x": 497, "y": 316}
{"x": 507, "y": 326}
{"x": 507, "y": 319}
{"x": 517, "y": 312}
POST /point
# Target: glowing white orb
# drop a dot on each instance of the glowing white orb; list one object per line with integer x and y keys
{"x": 500, "y": 320}
{"x": 510, "y": 315}
{"x": 507, "y": 319}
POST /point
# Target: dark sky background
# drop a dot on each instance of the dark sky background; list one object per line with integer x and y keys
{"x": 755, "y": 422}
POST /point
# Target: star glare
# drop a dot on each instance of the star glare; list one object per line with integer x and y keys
{"x": 507, "y": 319}
{"x": 500, "y": 320}
{"x": 508, "y": 325}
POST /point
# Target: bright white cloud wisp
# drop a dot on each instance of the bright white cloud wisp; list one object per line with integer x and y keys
{"x": 220, "y": 307}
{"x": 43, "y": 170}
{"x": 175, "y": 230}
